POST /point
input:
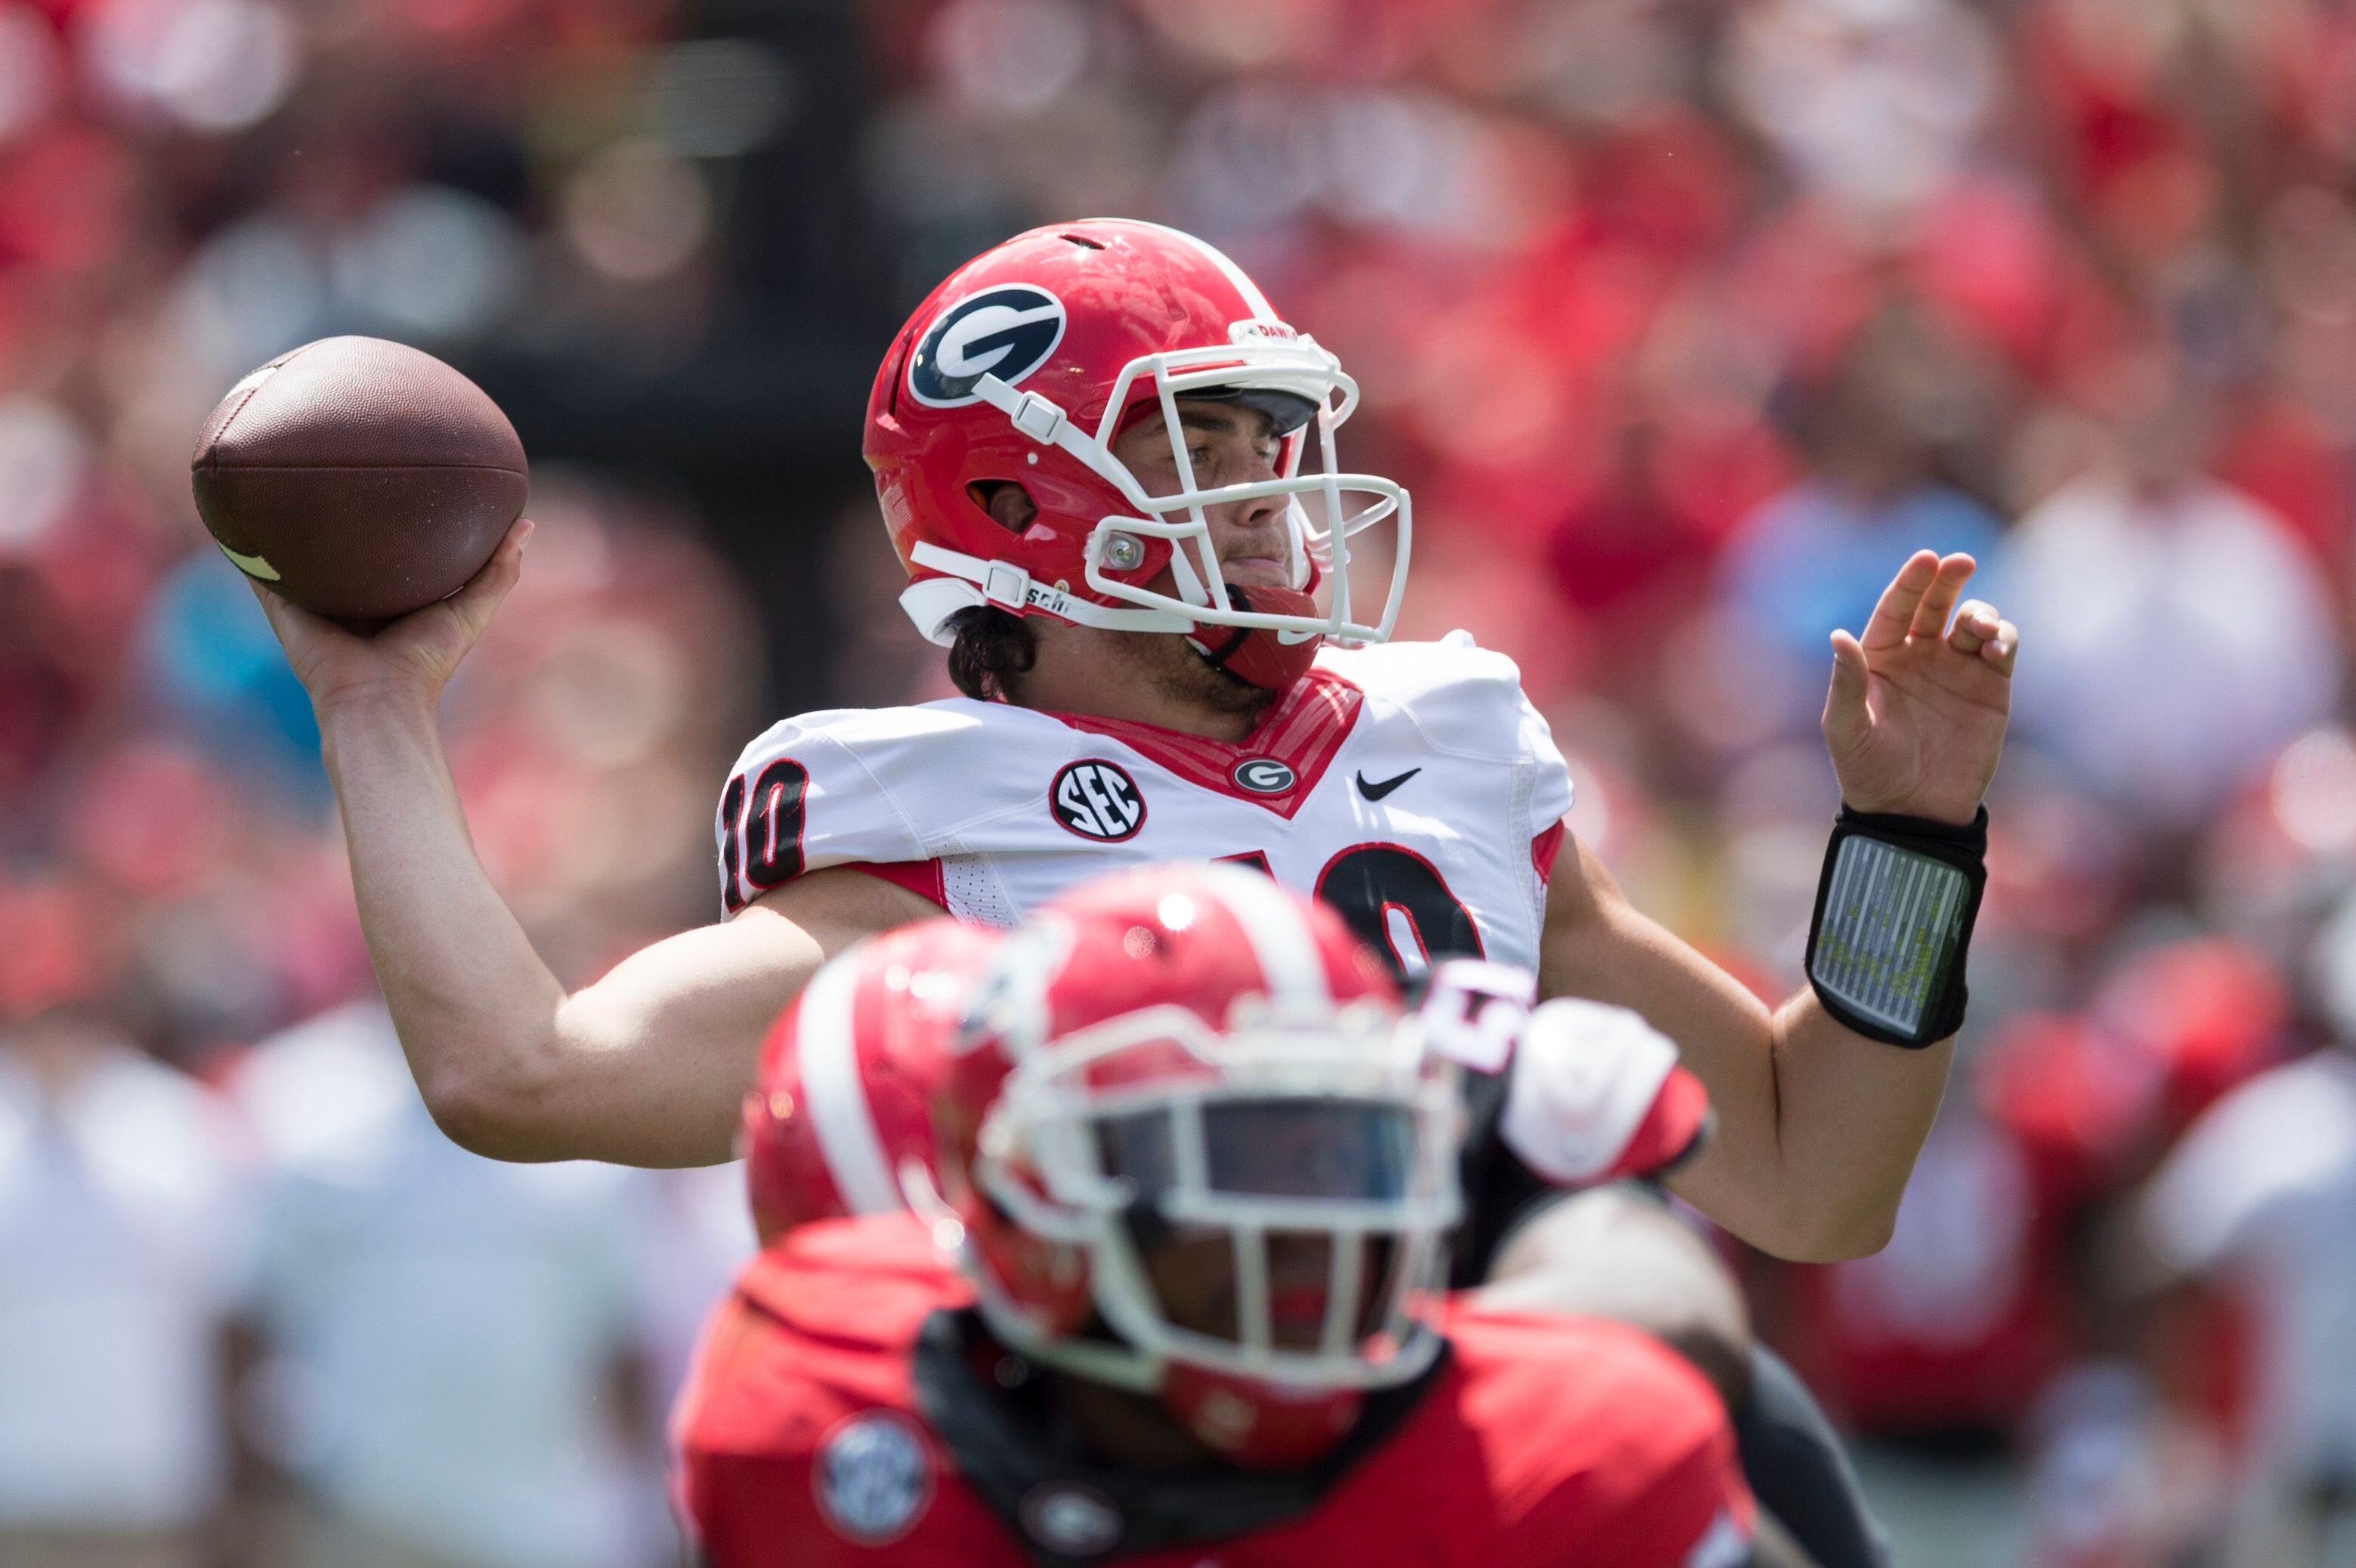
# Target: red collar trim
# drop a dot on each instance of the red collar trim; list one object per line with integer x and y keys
{"x": 1302, "y": 731}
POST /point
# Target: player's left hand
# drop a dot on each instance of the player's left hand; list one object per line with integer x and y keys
{"x": 1916, "y": 714}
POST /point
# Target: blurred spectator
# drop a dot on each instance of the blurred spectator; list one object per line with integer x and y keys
{"x": 1873, "y": 102}
{"x": 449, "y": 1337}
{"x": 1818, "y": 555}
{"x": 1628, "y": 557}
{"x": 42, "y": 691}
{"x": 1945, "y": 1338}
{"x": 1685, "y": 324}
{"x": 2260, "y": 1199}
{"x": 124, "y": 1232}
{"x": 2182, "y": 634}
{"x": 211, "y": 656}
{"x": 1993, "y": 1324}
{"x": 2118, "y": 1478}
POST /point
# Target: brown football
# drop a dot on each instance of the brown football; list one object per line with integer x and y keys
{"x": 361, "y": 478}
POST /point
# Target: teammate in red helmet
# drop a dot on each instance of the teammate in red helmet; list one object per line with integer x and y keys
{"x": 840, "y": 1115}
{"x": 1177, "y": 1299}
{"x": 844, "y": 1095}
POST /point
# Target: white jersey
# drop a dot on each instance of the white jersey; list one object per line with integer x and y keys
{"x": 2263, "y": 1187}
{"x": 1409, "y": 785}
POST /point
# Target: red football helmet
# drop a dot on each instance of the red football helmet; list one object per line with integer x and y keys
{"x": 847, "y": 1074}
{"x": 1194, "y": 1057}
{"x": 1027, "y": 362}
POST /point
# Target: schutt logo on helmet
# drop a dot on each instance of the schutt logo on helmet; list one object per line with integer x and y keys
{"x": 1007, "y": 331}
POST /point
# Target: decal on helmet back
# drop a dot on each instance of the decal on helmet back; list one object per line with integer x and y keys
{"x": 1259, "y": 331}
{"x": 1007, "y": 331}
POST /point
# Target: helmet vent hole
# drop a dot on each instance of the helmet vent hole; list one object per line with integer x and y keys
{"x": 1009, "y": 504}
{"x": 1083, "y": 240}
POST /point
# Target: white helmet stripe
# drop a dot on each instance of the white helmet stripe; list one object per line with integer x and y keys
{"x": 1261, "y": 308}
{"x": 1280, "y": 937}
{"x": 833, "y": 1097}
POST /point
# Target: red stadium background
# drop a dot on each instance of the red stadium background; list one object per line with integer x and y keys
{"x": 1685, "y": 321}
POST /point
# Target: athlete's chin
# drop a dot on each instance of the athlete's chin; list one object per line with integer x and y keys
{"x": 1224, "y": 691}
{"x": 1181, "y": 672}
{"x": 1255, "y": 573}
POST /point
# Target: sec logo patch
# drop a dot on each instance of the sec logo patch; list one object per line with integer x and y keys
{"x": 872, "y": 1480}
{"x": 1097, "y": 799}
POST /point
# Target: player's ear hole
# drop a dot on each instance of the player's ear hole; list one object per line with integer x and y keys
{"x": 1009, "y": 504}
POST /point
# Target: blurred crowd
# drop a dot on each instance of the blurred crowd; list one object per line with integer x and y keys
{"x": 1685, "y": 320}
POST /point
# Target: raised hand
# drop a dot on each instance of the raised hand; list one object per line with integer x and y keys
{"x": 1916, "y": 714}
{"x": 408, "y": 660}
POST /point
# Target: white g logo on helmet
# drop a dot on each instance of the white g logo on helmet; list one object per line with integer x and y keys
{"x": 1007, "y": 331}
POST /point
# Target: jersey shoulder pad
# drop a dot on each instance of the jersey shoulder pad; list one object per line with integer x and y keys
{"x": 1617, "y": 1448}
{"x": 797, "y": 1438}
{"x": 1467, "y": 701}
{"x": 869, "y": 784}
{"x": 823, "y": 1321}
{"x": 869, "y": 1281}
{"x": 1465, "y": 698}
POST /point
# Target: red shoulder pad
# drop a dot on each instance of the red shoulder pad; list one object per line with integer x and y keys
{"x": 797, "y": 1436}
{"x": 1606, "y": 1449}
{"x": 870, "y": 1281}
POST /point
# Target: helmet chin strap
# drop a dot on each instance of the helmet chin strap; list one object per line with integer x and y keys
{"x": 1260, "y": 656}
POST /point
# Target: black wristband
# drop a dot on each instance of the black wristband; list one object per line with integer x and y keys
{"x": 1895, "y": 906}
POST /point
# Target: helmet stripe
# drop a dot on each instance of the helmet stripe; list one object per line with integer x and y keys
{"x": 1280, "y": 937}
{"x": 833, "y": 1095}
{"x": 1261, "y": 308}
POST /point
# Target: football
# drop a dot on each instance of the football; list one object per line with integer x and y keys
{"x": 361, "y": 478}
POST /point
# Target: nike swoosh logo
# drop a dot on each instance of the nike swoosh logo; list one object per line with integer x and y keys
{"x": 1376, "y": 791}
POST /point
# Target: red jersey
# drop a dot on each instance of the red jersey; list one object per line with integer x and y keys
{"x": 845, "y": 1409}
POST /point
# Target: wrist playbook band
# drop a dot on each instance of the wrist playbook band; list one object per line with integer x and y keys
{"x": 1894, "y": 921}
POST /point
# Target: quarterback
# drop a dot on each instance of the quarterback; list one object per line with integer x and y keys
{"x": 1111, "y": 470}
{"x": 1092, "y": 446}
